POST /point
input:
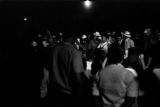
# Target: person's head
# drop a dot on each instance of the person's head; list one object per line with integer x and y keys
{"x": 127, "y": 34}
{"x": 118, "y": 36}
{"x": 147, "y": 32}
{"x": 69, "y": 36}
{"x": 157, "y": 34}
{"x": 115, "y": 54}
{"x": 97, "y": 35}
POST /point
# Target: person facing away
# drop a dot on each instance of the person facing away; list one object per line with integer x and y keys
{"x": 115, "y": 83}
{"x": 66, "y": 74}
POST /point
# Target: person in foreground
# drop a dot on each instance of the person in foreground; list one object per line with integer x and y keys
{"x": 66, "y": 74}
{"x": 117, "y": 86}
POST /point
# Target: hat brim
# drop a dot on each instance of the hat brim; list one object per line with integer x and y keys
{"x": 127, "y": 35}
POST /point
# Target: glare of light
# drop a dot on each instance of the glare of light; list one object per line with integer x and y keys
{"x": 25, "y": 19}
{"x": 87, "y": 3}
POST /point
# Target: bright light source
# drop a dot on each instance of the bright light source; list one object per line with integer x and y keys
{"x": 87, "y": 3}
{"x": 25, "y": 19}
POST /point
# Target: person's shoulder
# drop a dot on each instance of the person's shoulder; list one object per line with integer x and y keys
{"x": 114, "y": 67}
{"x": 132, "y": 71}
{"x": 129, "y": 75}
{"x": 156, "y": 72}
{"x": 119, "y": 67}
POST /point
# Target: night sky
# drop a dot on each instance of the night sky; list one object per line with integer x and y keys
{"x": 58, "y": 15}
{"x": 61, "y": 15}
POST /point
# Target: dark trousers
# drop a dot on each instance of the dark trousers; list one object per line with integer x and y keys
{"x": 58, "y": 99}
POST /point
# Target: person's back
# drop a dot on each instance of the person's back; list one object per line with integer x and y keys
{"x": 114, "y": 80}
{"x": 62, "y": 57}
{"x": 116, "y": 84}
{"x": 65, "y": 75}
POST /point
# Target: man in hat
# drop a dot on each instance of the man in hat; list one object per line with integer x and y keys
{"x": 97, "y": 35}
{"x": 93, "y": 44}
{"x": 128, "y": 42}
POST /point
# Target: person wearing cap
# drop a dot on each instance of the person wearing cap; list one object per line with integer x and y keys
{"x": 128, "y": 43}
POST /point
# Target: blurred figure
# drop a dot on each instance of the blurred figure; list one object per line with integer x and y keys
{"x": 104, "y": 44}
{"x": 116, "y": 84}
{"x": 93, "y": 44}
{"x": 153, "y": 75}
{"x": 66, "y": 74}
{"x": 97, "y": 65}
{"x": 147, "y": 45}
{"x": 134, "y": 65}
{"x": 128, "y": 42}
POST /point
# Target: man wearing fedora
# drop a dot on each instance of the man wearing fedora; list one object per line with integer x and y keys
{"x": 93, "y": 44}
{"x": 128, "y": 43}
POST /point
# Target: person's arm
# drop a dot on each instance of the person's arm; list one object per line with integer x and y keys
{"x": 126, "y": 46}
{"x": 133, "y": 44}
{"x": 141, "y": 57}
{"x": 78, "y": 72}
{"x": 78, "y": 78}
{"x": 104, "y": 62}
{"x": 132, "y": 91}
{"x": 126, "y": 54}
{"x": 149, "y": 62}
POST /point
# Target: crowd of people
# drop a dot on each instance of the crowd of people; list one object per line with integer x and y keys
{"x": 111, "y": 69}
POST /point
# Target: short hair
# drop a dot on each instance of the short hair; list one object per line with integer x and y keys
{"x": 115, "y": 54}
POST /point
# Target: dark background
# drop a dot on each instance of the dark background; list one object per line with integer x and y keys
{"x": 61, "y": 14}
{"x": 17, "y": 67}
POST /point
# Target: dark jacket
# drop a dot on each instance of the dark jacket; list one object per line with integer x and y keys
{"x": 67, "y": 69}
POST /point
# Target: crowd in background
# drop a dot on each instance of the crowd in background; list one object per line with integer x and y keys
{"x": 106, "y": 56}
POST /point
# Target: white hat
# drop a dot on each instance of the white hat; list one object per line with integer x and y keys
{"x": 97, "y": 34}
{"x": 84, "y": 36}
{"x": 127, "y": 34}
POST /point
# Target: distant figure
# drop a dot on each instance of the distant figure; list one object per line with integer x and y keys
{"x": 128, "y": 43}
{"x": 153, "y": 75}
{"x": 93, "y": 44}
{"x": 147, "y": 47}
{"x": 66, "y": 74}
